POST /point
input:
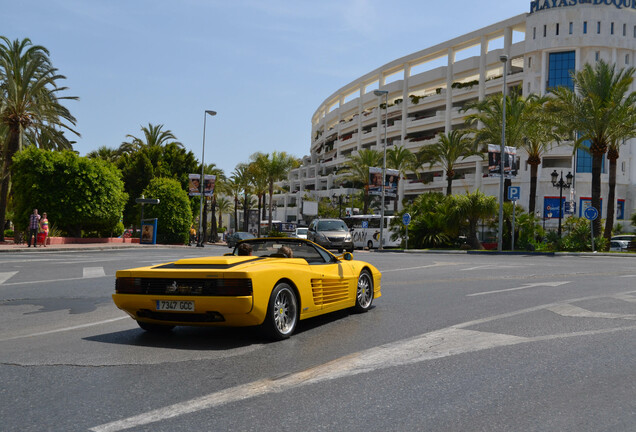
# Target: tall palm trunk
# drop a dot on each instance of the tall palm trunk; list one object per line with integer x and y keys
{"x": 236, "y": 221}
{"x": 532, "y": 201}
{"x": 597, "y": 164}
{"x": 246, "y": 213}
{"x": 612, "y": 156}
{"x": 213, "y": 229}
{"x": 449, "y": 182}
{"x": 12, "y": 146}
{"x": 260, "y": 204}
{"x": 269, "y": 218}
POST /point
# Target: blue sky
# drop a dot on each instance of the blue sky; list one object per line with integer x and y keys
{"x": 264, "y": 65}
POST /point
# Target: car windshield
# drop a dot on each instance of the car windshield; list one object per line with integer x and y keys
{"x": 300, "y": 249}
{"x": 331, "y": 226}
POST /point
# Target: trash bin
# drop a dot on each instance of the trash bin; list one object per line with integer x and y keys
{"x": 41, "y": 238}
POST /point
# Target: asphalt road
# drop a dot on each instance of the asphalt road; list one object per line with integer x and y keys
{"x": 456, "y": 343}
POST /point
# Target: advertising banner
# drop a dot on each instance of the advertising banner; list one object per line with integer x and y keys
{"x": 494, "y": 161}
{"x": 390, "y": 182}
{"x": 194, "y": 187}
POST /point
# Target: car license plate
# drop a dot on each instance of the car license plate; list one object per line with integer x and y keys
{"x": 175, "y": 305}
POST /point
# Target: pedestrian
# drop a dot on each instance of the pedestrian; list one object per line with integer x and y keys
{"x": 44, "y": 228}
{"x": 34, "y": 226}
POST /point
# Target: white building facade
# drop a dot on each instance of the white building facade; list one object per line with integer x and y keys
{"x": 428, "y": 89}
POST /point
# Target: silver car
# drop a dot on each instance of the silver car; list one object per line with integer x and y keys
{"x": 330, "y": 234}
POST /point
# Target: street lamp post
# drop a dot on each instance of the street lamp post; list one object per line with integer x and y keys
{"x": 202, "y": 180}
{"x": 560, "y": 183}
{"x": 379, "y": 94}
{"x": 504, "y": 60}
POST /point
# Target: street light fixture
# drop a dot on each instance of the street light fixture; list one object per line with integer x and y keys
{"x": 202, "y": 180}
{"x": 560, "y": 183}
{"x": 380, "y": 93}
{"x": 502, "y": 154}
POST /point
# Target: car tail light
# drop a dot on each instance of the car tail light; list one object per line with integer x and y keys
{"x": 234, "y": 287}
{"x": 128, "y": 285}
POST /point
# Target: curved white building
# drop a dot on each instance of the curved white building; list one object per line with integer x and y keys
{"x": 427, "y": 90}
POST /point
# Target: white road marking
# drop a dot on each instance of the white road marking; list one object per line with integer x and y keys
{"x": 91, "y": 272}
{"x": 434, "y": 345}
{"x": 627, "y": 276}
{"x": 65, "y": 329}
{"x": 490, "y": 267}
{"x": 440, "y": 264}
{"x": 6, "y": 276}
{"x": 569, "y": 310}
{"x": 49, "y": 281}
{"x": 525, "y": 286}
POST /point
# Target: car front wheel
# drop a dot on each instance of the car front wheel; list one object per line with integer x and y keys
{"x": 282, "y": 312}
{"x": 364, "y": 294}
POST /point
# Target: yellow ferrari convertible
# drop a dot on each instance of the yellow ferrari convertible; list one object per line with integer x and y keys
{"x": 272, "y": 283}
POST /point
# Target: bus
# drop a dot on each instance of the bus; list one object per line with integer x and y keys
{"x": 365, "y": 230}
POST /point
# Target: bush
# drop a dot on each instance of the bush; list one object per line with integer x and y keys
{"x": 8, "y": 233}
{"x": 173, "y": 214}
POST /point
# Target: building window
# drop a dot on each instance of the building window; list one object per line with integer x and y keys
{"x": 534, "y": 33}
{"x": 545, "y": 30}
{"x": 612, "y": 28}
{"x": 529, "y": 62}
{"x": 561, "y": 64}
{"x": 557, "y": 29}
{"x": 624, "y": 29}
{"x": 597, "y": 55}
{"x": 584, "y": 159}
{"x": 585, "y": 27}
{"x": 626, "y": 59}
{"x": 598, "y": 27}
{"x": 571, "y": 27}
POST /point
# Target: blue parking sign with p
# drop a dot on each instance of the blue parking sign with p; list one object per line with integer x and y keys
{"x": 514, "y": 193}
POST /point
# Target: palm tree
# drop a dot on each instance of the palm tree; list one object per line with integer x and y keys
{"x": 276, "y": 168}
{"x": 30, "y": 106}
{"x": 223, "y": 205}
{"x": 154, "y": 136}
{"x": 448, "y": 150}
{"x": 242, "y": 177}
{"x": 470, "y": 209}
{"x": 600, "y": 110}
{"x": 260, "y": 184}
{"x": 538, "y": 139}
{"x": 356, "y": 170}
{"x": 220, "y": 177}
{"x": 104, "y": 153}
{"x": 400, "y": 159}
{"x": 234, "y": 188}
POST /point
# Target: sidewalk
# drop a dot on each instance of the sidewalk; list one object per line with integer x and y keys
{"x": 11, "y": 247}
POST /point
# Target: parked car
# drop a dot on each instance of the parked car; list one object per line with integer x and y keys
{"x": 301, "y": 233}
{"x": 266, "y": 289}
{"x": 619, "y": 245}
{"x": 330, "y": 234}
{"x": 628, "y": 237}
{"x": 238, "y": 236}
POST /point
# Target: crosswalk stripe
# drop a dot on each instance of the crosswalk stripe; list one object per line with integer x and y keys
{"x": 6, "y": 276}
{"x": 91, "y": 272}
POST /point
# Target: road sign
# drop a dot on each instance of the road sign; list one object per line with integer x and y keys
{"x": 146, "y": 201}
{"x": 590, "y": 213}
{"x": 514, "y": 193}
{"x": 406, "y": 218}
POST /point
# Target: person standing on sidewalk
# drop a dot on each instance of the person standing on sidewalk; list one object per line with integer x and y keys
{"x": 44, "y": 228}
{"x": 34, "y": 226}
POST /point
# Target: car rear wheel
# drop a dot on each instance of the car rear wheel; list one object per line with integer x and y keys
{"x": 364, "y": 294}
{"x": 282, "y": 312}
{"x": 155, "y": 328}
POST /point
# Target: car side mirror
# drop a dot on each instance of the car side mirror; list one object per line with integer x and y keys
{"x": 347, "y": 256}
